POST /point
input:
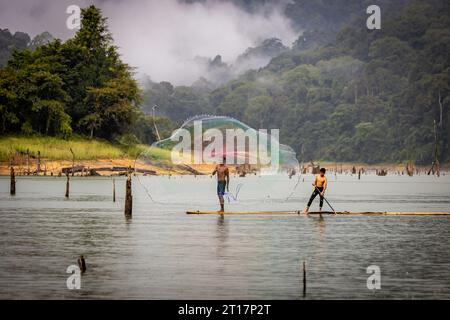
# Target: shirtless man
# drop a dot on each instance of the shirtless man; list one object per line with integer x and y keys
{"x": 223, "y": 180}
{"x": 320, "y": 185}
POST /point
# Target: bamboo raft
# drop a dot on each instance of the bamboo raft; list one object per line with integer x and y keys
{"x": 345, "y": 213}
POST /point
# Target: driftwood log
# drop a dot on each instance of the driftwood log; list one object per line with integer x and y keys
{"x": 95, "y": 171}
{"x": 72, "y": 170}
{"x": 190, "y": 169}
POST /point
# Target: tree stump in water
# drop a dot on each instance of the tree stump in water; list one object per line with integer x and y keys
{"x": 410, "y": 168}
{"x": 128, "y": 198}
{"x": 82, "y": 264}
{"x": 304, "y": 279}
{"x": 114, "y": 190}
{"x": 67, "y": 185}
{"x": 13, "y": 182}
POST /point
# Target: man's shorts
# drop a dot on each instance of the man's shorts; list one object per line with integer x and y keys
{"x": 221, "y": 188}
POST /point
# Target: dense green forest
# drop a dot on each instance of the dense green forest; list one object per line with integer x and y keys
{"x": 80, "y": 86}
{"x": 351, "y": 94}
{"x": 340, "y": 93}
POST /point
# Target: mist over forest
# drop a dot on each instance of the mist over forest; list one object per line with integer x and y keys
{"x": 336, "y": 90}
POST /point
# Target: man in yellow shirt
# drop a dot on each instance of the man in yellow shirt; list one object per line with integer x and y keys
{"x": 320, "y": 185}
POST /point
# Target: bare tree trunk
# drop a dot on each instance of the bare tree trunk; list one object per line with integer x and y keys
{"x": 28, "y": 162}
{"x": 154, "y": 124}
{"x": 435, "y": 166}
{"x": 38, "y": 164}
{"x": 410, "y": 168}
{"x": 73, "y": 161}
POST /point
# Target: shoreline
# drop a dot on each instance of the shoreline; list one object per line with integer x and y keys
{"x": 100, "y": 167}
{"x": 122, "y": 166}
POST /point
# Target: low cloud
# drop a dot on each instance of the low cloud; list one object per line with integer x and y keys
{"x": 163, "y": 39}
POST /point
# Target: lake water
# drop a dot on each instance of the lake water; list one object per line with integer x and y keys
{"x": 162, "y": 253}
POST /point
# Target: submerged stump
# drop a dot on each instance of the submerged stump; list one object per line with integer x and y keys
{"x": 82, "y": 264}
{"x": 304, "y": 278}
{"x": 114, "y": 190}
{"x": 13, "y": 182}
{"x": 128, "y": 198}
{"x": 67, "y": 185}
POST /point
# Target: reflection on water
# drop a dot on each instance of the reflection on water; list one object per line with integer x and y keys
{"x": 163, "y": 253}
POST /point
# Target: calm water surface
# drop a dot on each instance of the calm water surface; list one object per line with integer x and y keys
{"x": 162, "y": 253}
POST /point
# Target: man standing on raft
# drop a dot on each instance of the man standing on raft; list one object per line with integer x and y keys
{"x": 320, "y": 185}
{"x": 223, "y": 180}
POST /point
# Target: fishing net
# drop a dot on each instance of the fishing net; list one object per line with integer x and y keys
{"x": 261, "y": 168}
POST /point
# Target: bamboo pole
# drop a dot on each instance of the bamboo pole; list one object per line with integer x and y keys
{"x": 342, "y": 213}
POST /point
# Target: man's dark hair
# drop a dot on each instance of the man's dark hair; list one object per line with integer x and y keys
{"x": 323, "y": 170}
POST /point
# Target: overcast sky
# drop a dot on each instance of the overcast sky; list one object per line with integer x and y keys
{"x": 160, "y": 37}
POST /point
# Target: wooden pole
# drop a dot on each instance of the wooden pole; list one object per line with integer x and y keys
{"x": 128, "y": 198}
{"x": 359, "y": 174}
{"x": 304, "y": 278}
{"x": 114, "y": 190}
{"x": 67, "y": 185}
{"x": 13, "y": 182}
